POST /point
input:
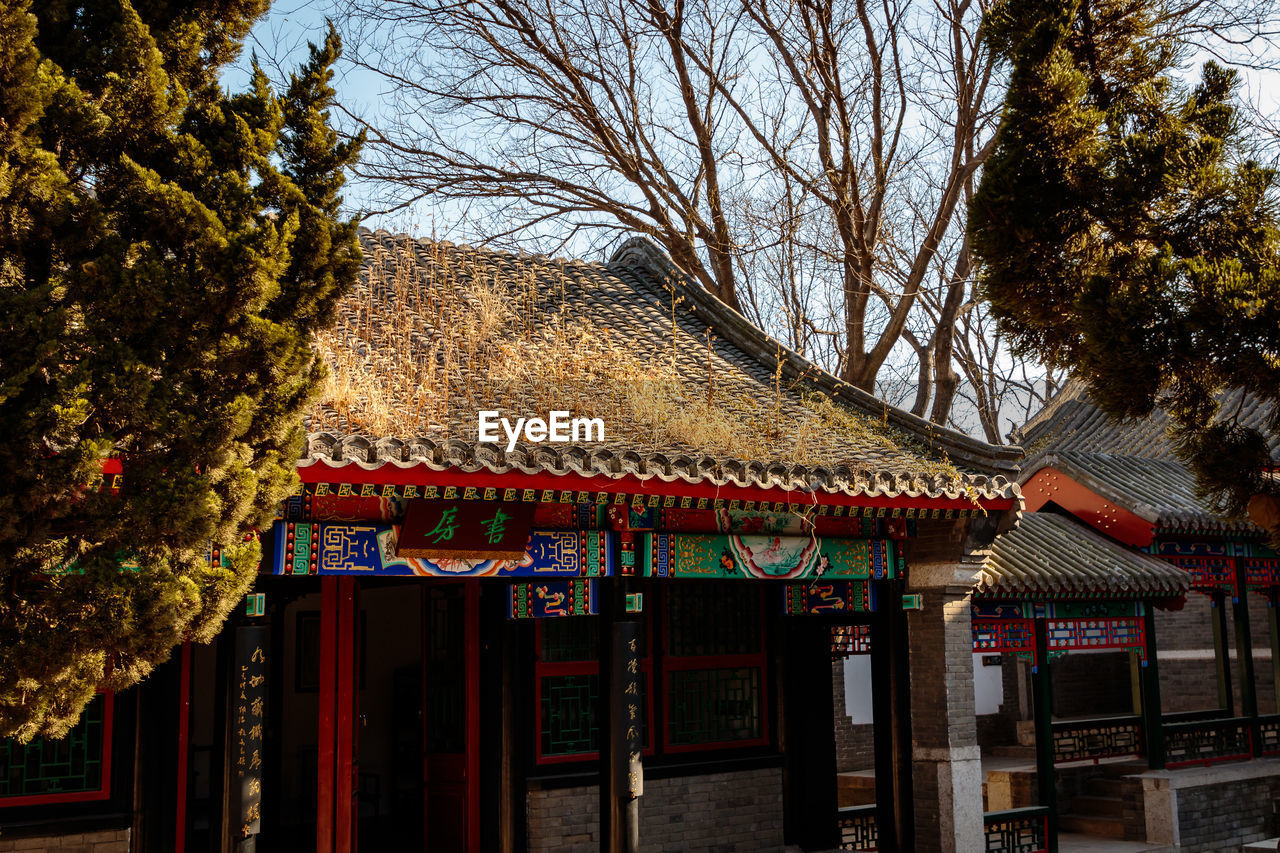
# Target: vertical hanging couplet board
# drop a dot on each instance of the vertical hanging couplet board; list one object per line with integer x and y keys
{"x": 628, "y": 710}
{"x": 249, "y": 695}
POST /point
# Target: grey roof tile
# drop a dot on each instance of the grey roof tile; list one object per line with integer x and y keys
{"x": 1053, "y": 554}
{"x": 414, "y": 295}
{"x": 1130, "y": 462}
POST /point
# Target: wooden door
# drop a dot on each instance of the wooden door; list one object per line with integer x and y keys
{"x": 450, "y": 702}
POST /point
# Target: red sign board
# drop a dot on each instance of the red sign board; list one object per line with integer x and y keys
{"x": 466, "y": 530}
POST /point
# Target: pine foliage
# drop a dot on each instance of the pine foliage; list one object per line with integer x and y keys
{"x": 167, "y": 249}
{"x": 1124, "y": 234}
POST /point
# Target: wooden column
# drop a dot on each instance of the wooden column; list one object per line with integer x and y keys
{"x": 336, "y": 747}
{"x": 1221, "y": 655}
{"x": 619, "y": 811}
{"x": 325, "y": 736}
{"x": 1152, "y": 714}
{"x": 1042, "y": 701}
{"x": 1273, "y": 623}
{"x": 890, "y": 709}
{"x": 1244, "y": 656}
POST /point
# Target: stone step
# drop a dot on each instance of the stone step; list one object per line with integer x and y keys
{"x": 1107, "y": 827}
{"x": 1268, "y": 846}
{"x": 1098, "y": 806}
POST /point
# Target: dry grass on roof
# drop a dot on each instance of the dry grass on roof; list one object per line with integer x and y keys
{"x": 433, "y": 333}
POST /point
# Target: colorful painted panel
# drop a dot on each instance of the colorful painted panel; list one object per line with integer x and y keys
{"x": 691, "y": 555}
{"x": 1210, "y": 564}
{"x": 980, "y": 609}
{"x": 552, "y": 598}
{"x": 1004, "y": 636}
{"x": 828, "y": 597}
{"x": 1114, "y": 633}
{"x": 1092, "y": 609}
{"x": 1261, "y": 566}
{"x": 763, "y": 522}
{"x": 1055, "y": 609}
{"x": 309, "y": 548}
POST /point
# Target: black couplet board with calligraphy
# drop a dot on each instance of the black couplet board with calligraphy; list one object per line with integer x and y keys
{"x": 465, "y": 530}
{"x": 629, "y": 709}
{"x": 248, "y": 697}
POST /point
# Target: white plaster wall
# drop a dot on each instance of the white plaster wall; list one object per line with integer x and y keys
{"x": 857, "y": 688}
{"x": 988, "y": 687}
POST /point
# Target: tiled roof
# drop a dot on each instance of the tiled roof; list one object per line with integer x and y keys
{"x": 436, "y": 332}
{"x": 1053, "y": 554}
{"x": 1071, "y": 421}
{"x": 1131, "y": 462}
{"x": 1162, "y": 491}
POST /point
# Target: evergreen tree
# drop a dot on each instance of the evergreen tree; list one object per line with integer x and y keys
{"x": 166, "y": 250}
{"x": 1123, "y": 234}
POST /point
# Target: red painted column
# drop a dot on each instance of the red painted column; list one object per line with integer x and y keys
{"x": 473, "y": 712}
{"x": 327, "y": 707}
{"x": 345, "y": 719}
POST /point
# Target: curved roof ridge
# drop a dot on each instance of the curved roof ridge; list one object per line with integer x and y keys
{"x": 755, "y": 342}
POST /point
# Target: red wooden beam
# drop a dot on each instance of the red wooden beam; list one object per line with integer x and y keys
{"x": 1049, "y": 485}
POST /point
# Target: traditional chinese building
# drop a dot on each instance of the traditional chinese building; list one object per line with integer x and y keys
{"x": 464, "y": 645}
{"x": 1138, "y": 641}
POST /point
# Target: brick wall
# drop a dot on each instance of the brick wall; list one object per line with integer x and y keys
{"x": 1188, "y": 674}
{"x": 1091, "y": 684}
{"x": 105, "y": 841}
{"x": 946, "y": 776}
{"x": 1225, "y": 815}
{"x": 855, "y": 744}
{"x": 731, "y": 812}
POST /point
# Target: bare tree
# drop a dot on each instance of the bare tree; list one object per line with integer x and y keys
{"x": 807, "y": 161}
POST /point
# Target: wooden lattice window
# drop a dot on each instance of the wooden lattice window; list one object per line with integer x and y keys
{"x": 568, "y": 690}
{"x": 75, "y": 768}
{"x": 714, "y": 667}
{"x": 710, "y": 660}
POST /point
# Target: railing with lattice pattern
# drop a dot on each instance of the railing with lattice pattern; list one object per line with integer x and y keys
{"x": 1206, "y": 741}
{"x": 1023, "y": 830}
{"x": 1269, "y": 734}
{"x": 1105, "y": 737}
{"x": 858, "y": 828}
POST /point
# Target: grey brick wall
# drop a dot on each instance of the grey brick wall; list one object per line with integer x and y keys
{"x": 948, "y": 805}
{"x": 1188, "y": 677}
{"x": 715, "y": 813}
{"x": 106, "y": 841}
{"x": 1088, "y": 685}
{"x": 1227, "y": 815}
